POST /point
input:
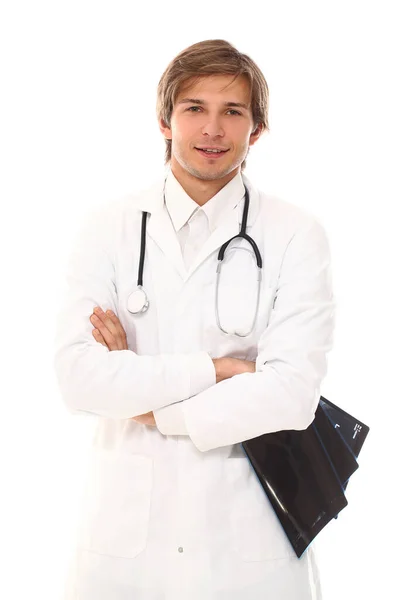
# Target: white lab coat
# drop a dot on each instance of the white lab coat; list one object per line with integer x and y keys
{"x": 176, "y": 511}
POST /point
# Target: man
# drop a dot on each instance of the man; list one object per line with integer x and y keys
{"x": 173, "y": 508}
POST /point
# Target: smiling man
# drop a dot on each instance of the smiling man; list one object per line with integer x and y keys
{"x": 180, "y": 364}
{"x": 211, "y": 130}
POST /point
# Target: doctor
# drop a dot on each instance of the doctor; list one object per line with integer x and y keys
{"x": 189, "y": 363}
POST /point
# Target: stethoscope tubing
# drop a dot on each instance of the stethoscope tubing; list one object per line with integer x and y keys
{"x": 144, "y": 302}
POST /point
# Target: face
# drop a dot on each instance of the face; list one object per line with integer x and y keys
{"x": 202, "y": 118}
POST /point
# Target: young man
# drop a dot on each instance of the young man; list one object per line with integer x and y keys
{"x": 188, "y": 364}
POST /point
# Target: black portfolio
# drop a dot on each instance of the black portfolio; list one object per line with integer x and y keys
{"x": 305, "y": 473}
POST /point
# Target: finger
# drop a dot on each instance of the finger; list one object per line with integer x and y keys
{"x": 113, "y": 323}
{"x": 98, "y": 337}
{"x": 141, "y": 418}
{"x": 146, "y": 419}
{"x": 104, "y": 332}
{"x": 117, "y": 324}
{"x": 107, "y": 329}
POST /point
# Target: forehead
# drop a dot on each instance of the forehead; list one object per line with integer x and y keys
{"x": 219, "y": 85}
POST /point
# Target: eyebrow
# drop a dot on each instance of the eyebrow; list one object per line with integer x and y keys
{"x": 199, "y": 101}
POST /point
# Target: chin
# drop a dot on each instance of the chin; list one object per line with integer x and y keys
{"x": 208, "y": 172}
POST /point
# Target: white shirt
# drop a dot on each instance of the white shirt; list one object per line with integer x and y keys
{"x": 193, "y": 223}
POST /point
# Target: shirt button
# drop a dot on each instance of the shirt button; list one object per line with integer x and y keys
{"x": 180, "y": 549}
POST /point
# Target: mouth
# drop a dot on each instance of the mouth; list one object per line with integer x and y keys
{"x": 211, "y": 154}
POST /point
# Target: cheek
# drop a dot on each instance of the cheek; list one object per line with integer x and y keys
{"x": 182, "y": 138}
{"x": 183, "y": 127}
{"x": 239, "y": 138}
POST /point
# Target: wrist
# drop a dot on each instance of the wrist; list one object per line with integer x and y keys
{"x": 221, "y": 368}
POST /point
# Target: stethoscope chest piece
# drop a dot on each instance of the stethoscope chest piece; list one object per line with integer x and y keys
{"x": 137, "y": 301}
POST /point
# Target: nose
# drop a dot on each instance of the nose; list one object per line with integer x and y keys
{"x": 213, "y": 127}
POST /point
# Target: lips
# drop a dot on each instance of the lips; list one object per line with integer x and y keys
{"x": 219, "y": 149}
{"x": 214, "y": 155}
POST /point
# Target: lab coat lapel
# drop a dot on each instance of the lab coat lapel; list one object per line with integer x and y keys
{"x": 229, "y": 228}
{"x": 161, "y": 230}
{"x": 217, "y": 238}
{"x": 159, "y": 226}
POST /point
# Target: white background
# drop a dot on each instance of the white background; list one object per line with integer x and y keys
{"x": 78, "y": 128}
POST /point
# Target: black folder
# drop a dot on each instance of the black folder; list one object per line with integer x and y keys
{"x": 305, "y": 473}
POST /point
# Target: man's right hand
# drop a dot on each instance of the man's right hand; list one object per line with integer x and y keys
{"x": 227, "y": 367}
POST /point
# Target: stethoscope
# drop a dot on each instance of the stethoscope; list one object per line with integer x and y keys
{"x": 138, "y": 301}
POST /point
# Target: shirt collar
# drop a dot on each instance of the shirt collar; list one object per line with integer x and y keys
{"x": 181, "y": 206}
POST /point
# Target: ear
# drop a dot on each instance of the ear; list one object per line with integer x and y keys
{"x": 166, "y": 131}
{"x": 256, "y": 134}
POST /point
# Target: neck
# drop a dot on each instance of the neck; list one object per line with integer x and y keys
{"x": 200, "y": 190}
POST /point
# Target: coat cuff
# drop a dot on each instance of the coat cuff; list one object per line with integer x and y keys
{"x": 202, "y": 373}
{"x": 170, "y": 419}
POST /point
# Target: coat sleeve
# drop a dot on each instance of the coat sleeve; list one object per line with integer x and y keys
{"x": 291, "y": 362}
{"x": 92, "y": 379}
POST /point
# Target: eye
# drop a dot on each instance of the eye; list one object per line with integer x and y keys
{"x": 230, "y": 110}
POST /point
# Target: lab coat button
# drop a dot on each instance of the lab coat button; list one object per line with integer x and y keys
{"x": 180, "y": 549}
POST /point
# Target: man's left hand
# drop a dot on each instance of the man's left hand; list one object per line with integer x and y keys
{"x": 110, "y": 333}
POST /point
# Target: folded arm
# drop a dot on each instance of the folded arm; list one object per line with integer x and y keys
{"x": 291, "y": 363}
{"x": 91, "y": 378}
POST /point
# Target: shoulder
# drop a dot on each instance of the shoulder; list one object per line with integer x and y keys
{"x": 283, "y": 211}
{"x": 116, "y": 207}
{"x": 286, "y": 217}
{"x": 119, "y": 212}
{"x": 132, "y": 204}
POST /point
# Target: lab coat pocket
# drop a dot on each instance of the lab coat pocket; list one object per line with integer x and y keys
{"x": 116, "y": 508}
{"x": 256, "y": 530}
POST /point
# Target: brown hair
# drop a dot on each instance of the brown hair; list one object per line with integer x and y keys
{"x": 211, "y": 57}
